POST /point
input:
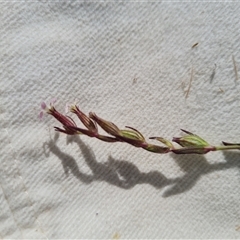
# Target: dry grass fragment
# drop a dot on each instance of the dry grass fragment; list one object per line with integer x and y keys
{"x": 235, "y": 68}
{"x": 194, "y": 45}
{"x": 190, "y": 84}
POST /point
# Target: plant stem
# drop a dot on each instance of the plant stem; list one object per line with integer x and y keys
{"x": 220, "y": 148}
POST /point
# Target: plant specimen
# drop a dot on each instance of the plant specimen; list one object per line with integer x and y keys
{"x": 188, "y": 144}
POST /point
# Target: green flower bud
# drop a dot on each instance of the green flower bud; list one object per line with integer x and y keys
{"x": 190, "y": 140}
{"x": 132, "y": 134}
{"x": 164, "y": 141}
{"x": 109, "y": 127}
{"x": 156, "y": 149}
{"x": 88, "y": 123}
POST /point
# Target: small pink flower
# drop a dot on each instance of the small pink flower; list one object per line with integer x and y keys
{"x": 66, "y": 121}
{"x": 45, "y": 108}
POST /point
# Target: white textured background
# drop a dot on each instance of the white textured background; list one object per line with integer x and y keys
{"x": 130, "y": 63}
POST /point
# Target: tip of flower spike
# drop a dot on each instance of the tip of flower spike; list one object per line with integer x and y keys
{"x": 44, "y": 108}
{"x": 51, "y": 110}
{"x": 44, "y": 105}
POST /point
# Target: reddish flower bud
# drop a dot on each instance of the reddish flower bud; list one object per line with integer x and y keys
{"x": 65, "y": 120}
{"x": 109, "y": 127}
{"x": 88, "y": 123}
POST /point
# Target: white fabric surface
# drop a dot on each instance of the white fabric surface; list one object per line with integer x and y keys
{"x": 130, "y": 63}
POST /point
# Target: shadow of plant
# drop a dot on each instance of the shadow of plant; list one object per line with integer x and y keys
{"x": 126, "y": 175}
{"x": 196, "y": 166}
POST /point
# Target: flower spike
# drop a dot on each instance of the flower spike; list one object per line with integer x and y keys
{"x": 190, "y": 143}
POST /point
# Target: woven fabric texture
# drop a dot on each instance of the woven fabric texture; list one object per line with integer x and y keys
{"x": 157, "y": 67}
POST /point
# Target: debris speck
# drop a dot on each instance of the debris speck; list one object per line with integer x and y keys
{"x": 213, "y": 73}
{"x": 183, "y": 85}
{"x": 221, "y": 90}
{"x": 134, "y": 80}
{"x": 194, "y": 45}
{"x": 190, "y": 84}
{"x": 237, "y": 228}
{"x": 116, "y": 236}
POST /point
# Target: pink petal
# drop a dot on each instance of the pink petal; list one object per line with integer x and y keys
{"x": 43, "y": 105}
{"x": 53, "y": 101}
{"x": 41, "y": 115}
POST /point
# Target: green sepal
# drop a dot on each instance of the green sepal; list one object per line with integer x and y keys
{"x": 164, "y": 141}
{"x": 191, "y": 140}
{"x": 132, "y": 134}
{"x": 156, "y": 149}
